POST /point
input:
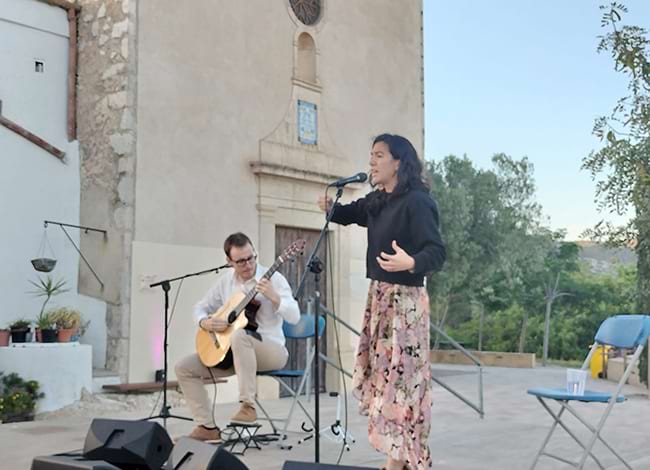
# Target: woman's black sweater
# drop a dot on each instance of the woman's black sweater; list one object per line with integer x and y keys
{"x": 411, "y": 219}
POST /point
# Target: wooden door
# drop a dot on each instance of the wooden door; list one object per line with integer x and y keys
{"x": 293, "y": 271}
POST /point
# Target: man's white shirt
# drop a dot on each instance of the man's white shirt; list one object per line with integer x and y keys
{"x": 269, "y": 319}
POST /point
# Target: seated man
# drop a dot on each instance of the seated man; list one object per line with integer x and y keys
{"x": 252, "y": 351}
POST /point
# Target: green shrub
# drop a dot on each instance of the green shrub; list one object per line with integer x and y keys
{"x": 18, "y": 398}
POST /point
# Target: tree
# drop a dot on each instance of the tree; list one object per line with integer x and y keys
{"x": 490, "y": 224}
{"x": 622, "y": 165}
{"x": 562, "y": 259}
{"x": 468, "y": 199}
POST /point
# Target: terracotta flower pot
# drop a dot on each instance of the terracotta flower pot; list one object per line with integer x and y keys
{"x": 66, "y": 334}
{"x": 4, "y": 337}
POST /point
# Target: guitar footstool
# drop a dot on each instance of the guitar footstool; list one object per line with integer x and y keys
{"x": 244, "y": 437}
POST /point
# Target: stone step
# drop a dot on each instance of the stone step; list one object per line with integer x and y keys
{"x": 103, "y": 377}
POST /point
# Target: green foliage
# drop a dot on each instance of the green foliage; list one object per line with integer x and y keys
{"x": 575, "y": 320}
{"x": 501, "y": 257}
{"x": 45, "y": 321}
{"x": 17, "y": 398}
{"x": 21, "y": 324}
{"x": 484, "y": 217}
{"x": 47, "y": 288}
{"x": 622, "y": 166}
{"x": 66, "y": 318}
{"x": 495, "y": 242}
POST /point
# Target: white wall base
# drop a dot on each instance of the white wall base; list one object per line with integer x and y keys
{"x": 61, "y": 369}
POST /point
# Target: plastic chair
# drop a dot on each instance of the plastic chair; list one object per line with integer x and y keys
{"x": 622, "y": 332}
{"x": 303, "y": 330}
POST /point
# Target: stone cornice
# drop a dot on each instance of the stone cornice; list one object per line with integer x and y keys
{"x": 299, "y": 174}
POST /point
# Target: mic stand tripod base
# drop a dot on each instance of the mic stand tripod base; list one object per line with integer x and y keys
{"x": 166, "y": 286}
{"x": 336, "y": 432}
{"x": 164, "y": 409}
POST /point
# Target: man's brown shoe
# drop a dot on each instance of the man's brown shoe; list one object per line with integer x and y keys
{"x": 211, "y": 436}
{"x": 245, "y": 415}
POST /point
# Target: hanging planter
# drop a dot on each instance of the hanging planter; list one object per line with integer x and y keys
{"x": 43, "y": 263}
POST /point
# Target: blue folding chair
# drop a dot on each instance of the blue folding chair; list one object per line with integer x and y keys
{"x": 303, "y": 330}
{"x": 622, "y": 332}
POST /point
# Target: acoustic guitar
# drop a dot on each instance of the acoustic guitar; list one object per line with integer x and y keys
{"x": 212, "y": 347}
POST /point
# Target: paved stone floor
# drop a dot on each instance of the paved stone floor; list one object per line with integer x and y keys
{"x": 507, "y": 438}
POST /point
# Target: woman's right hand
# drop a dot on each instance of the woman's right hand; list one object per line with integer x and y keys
{"x": 325, "y": 204}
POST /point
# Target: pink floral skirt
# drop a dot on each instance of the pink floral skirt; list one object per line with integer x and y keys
{"x": 392, "y": 377}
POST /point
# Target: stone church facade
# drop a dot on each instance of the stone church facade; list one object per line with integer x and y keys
{"x": 197, "y": 119}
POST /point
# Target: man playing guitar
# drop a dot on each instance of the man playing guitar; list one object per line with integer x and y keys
{"x": 259, "y": 347}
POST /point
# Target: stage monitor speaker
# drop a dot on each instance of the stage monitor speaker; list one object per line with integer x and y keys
{"x": 69, "y": 462}
{"x": 190, "y": 454}
{"x": 292, "y": 465}
{"x": 128, "y": 444}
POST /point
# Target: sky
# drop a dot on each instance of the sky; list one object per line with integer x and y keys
{"x": 523, "y": 78}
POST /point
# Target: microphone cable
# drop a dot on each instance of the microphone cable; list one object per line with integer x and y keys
{"x": 330, "y": 271}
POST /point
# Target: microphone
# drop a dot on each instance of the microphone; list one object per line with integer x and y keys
{"x": 358, "y": 178}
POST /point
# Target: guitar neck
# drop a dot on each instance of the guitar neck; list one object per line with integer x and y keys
{"x": 252, "y": 293}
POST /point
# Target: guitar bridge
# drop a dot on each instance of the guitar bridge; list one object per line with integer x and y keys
{"x": 216, "y": 342}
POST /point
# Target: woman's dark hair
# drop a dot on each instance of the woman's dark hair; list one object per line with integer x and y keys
{"x": 236, "y": 239}
{"x": 409, "y": 175}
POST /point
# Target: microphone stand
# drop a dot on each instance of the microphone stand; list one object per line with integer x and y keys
{"x": 315, "y": 266}
{"x": 166, "y": 286}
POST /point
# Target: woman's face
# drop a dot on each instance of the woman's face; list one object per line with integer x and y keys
{"x": 383, "y": 167}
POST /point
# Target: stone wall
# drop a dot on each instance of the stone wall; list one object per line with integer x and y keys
{"x": 106, "y": 115}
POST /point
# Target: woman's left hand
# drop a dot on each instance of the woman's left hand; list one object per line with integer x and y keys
{"x": 400, "y": 261}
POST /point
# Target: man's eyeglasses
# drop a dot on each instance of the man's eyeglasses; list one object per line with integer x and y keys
{"x": 244, "y": 261}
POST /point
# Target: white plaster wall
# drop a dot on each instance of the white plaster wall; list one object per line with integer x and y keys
{"x": 34, "y": 185}
{"x": 62, "y": 385}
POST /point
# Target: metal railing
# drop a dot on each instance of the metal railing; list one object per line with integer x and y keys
{"x": 478, "y": 407}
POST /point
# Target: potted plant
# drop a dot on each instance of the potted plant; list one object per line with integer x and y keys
{"x": 46, "y": 328}
{"x": 4, "y": 337}
{"x": 18, "y": 398}
{"x": 81, "y": 330}
{"x": 68, "y": 321}
{"x": 19, "y": 329}
{"x": 47, "y": 288}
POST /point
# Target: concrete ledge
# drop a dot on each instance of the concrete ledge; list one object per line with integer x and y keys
{"x": 487, "y": 358}
{"x": 61, "y": 369}
{"x": 616, "y": 367}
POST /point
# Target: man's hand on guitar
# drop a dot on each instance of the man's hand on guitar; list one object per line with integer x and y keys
{"x": 265, "y": 288}
{"x": 218, "y": 325}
